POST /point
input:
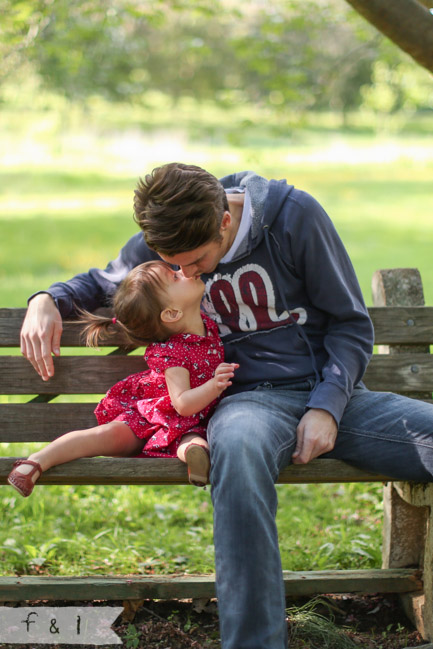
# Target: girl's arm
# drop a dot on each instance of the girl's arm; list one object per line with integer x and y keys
{"x": 189, "y": 401}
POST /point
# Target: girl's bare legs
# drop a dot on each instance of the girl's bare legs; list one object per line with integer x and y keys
{"x": 194, "y": 451}
{"x": 112, "y": 439}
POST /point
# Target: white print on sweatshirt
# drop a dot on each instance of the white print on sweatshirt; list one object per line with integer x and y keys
{"x": 246, "y": 302}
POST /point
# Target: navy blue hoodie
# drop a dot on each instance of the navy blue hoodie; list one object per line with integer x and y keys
{"x": 288, "y": 305}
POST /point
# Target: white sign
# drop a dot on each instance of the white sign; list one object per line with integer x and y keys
{"x": 59, "y": 625}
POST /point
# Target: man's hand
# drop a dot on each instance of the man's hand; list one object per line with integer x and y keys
{"x": 316, "y": 434}
{"x": 41, "y": 333}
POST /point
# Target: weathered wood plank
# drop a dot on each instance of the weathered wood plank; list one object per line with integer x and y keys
{"x": 15, "y": 589}
{"x": 392, "y": 325}
{"x": 12, "y": 319}
{"x": 73, "y": 374}
{"x": 352, "y": 581}
{"x": 402, "y": 325}
{"x": 89, "y": 375}
{"x": 400, "y": 373}
{"x": 42, "y": 422}
{"x": 142, "y": 471}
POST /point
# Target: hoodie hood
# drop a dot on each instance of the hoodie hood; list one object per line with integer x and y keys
{"x": 267, "y": 199}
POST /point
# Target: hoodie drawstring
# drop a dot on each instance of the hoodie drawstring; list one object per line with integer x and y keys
{"x": 283, "y": 299}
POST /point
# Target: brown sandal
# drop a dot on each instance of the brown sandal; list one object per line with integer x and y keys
{"x": 23, "y": 482}
{"x": 198, "y": 462}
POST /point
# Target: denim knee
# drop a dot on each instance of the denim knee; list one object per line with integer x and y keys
{"x": 240, "y": 451}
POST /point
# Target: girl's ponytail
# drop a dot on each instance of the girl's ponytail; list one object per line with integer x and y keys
{"x": 97, "y": 327}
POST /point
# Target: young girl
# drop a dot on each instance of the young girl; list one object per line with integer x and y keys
{"x": 162, "y": 411}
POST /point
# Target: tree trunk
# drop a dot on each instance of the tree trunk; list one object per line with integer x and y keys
{"x": 408, "y": 23}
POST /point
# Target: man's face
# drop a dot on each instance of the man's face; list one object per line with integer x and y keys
{"x": 203, "y": 259}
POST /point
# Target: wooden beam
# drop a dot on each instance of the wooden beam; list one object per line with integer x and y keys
{"x": 161, "y": 471}
{"x": 11, "y": 321}
{"x": 404, "y": 372}
{"x": 402, "y": 325}
{"x": 73, "y": 374}
{"x": 42, "y": 422}
{"x": 408, "y": 23}
{"x": 16, "y": 589}
{"x": 392, "y": 324}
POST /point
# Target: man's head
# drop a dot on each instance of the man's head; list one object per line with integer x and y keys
{"x": 183, "y": 212}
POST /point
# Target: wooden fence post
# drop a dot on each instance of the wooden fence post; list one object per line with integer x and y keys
{"x": 408, "y": 519}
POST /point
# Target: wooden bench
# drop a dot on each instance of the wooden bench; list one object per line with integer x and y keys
{"x": 401, "y": 323}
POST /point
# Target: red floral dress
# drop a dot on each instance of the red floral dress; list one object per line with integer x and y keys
{"x": 142, "y": 400}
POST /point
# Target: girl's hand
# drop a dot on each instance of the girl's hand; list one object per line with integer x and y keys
{"x": 223, "y": 373}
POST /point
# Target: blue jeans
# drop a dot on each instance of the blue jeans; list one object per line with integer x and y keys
{"x": 252, "y": 436}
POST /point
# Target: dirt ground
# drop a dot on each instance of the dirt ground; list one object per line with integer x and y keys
{"x": 370, "y": 622}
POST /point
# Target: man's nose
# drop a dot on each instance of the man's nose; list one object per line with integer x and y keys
{"x": 188, "y": 271}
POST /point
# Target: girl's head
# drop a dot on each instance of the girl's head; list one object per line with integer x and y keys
{"x": 148, "y": 306}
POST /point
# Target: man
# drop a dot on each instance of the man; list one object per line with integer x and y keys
{"x": 281, "y": 287}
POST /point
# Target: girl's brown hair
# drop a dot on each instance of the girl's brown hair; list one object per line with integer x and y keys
{"x": 137, "y": 307}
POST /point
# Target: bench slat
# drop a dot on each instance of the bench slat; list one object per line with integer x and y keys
{"x": 15, "y": 589}
{"x": 73, "y": 374}
{"x": 18, "y": 420}
{"x": 402, "y": 325}
{"x": 41, "y": 422}
{"x": 393, "y": 325}
{"x": 171, "y": 471}
{"x": 12, "y": 319}
{"x": 400, "y": 373}
{"x": 90, "y": 375}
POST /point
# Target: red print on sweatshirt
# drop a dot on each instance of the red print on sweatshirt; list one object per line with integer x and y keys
{"x": 246, "y": 302}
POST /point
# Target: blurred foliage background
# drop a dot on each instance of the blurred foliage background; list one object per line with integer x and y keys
{"x": 288, "y": 56}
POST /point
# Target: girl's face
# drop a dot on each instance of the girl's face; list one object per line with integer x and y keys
{"x": 182, "y": 292}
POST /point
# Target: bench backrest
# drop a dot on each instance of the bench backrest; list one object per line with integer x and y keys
{"x": 407, "y": 372}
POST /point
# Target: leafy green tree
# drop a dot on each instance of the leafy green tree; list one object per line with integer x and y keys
{"x": 314, "y": 55}
{"x": 318, "y": 54}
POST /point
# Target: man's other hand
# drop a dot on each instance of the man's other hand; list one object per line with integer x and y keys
{"x": 316, "y": 434}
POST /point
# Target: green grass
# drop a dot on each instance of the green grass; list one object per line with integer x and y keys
{"x": 106, "y": 530}
{"x": 315, "y": 629}
{"x": 68, "y": 530}
{"x": 65, "y": 207}
{"x": 63, "y": 224}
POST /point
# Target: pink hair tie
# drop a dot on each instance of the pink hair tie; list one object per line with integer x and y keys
{"x": 114, "y": 320}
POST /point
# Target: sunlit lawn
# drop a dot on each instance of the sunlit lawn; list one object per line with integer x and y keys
{"x": 59, "y": 216}
{"x": 57, "y": 222}
{"x": 94, "y": 530}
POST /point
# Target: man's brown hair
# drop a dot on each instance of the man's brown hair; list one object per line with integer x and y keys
{"x": 179, "y": 207}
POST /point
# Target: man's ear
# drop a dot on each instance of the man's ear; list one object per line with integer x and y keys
{"x": 226, "y": 220}
{"x": 170, "y": 316}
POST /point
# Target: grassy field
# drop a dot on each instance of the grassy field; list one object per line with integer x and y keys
{"x": 66, "y": 196}
{"x": 66, "y": 204}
